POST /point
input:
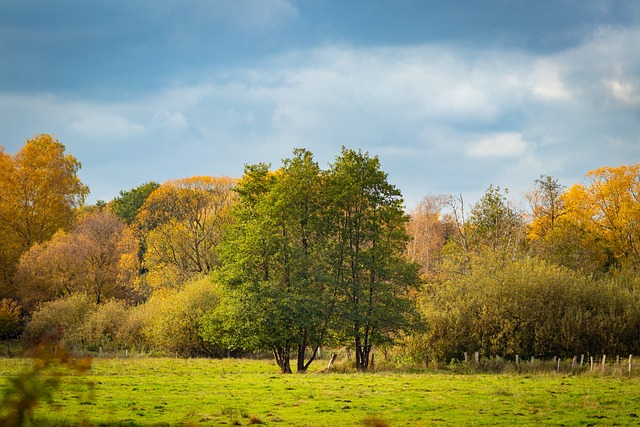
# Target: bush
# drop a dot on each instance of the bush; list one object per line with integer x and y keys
{"x": 65, "y": 318}
{"x": 527, "y": 307}
{"x": 177, "y": 317}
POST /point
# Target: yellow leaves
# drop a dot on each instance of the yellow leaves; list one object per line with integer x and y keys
{"x": 39, "y": 190}
{"x": 181, "y": 223}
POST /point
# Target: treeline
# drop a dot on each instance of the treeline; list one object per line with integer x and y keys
{"x": 293, "y": 259}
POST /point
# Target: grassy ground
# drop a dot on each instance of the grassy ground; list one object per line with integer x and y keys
{"x": 163, "y": 391}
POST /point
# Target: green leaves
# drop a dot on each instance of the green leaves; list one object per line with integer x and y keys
{"x": 314, "y": 253}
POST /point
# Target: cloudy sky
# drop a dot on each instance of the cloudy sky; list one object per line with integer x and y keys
{"x": 451, "y": 95}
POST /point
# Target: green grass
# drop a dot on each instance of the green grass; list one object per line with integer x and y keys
{"x": 163, "y": 391}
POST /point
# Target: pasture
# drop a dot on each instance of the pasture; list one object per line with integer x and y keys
{"x": 204, "y": 392}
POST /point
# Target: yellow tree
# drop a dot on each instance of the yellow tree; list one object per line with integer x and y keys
{"x": 607, "y": 211}
{"x": 181, "y": 224}
{"x": 39, "y": 191}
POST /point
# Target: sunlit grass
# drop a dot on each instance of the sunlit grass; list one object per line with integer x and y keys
{"x": 164, "y": 391}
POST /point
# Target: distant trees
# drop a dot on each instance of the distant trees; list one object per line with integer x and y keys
{"x": 181, "y": 224}
{"x": 297, "y": 258}
{"x": 98, "y": 256}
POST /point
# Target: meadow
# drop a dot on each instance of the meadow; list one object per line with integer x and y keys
{"x": 205, "y": 392}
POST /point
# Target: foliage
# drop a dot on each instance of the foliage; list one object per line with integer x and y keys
{"x": 39, "y": 190}
{"x": 128, "y": 203}
{"x": 429, "y": 232}
{"x": 10, "y": 320}
{"x": 375, "y": 282}
{"x": 180, "y": 225}
{"x": 276, "y": 260}
{"x": 308, "y": 242}
{"x": 29, "y": 388}
{"x": 174, "y": 319}
{"x": 98, "y": 257}
{"x": 62, "y": 319}
{"x": 607, "y": 211}
{"x": 526, "y": 307}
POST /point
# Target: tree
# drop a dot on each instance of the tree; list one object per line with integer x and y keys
{"x": 428, "y": 232}
{"x": 496, "y": 223}
{"x": 39, "y": 191}
{"x": 128, "y": 203}
{"x": 98, "y": 256}
{"x": 608, "y": 211}
{"x": 369, "y": 238}
{"x": 276, "y": 259}
{"x": 181, "y": 224}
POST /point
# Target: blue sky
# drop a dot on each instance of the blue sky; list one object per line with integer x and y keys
{"x": 451, "y": 95}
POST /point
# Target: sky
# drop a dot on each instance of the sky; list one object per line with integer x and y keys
{"x": 451, "y": 95}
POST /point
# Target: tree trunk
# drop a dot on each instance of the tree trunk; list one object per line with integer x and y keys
{"x": 283, "y": 358}
{"x": 362, "y": 355}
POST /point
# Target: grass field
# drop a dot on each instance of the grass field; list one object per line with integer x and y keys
{"x": 164, "y": 391}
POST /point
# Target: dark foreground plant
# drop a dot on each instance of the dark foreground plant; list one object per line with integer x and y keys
{"x": 28, "y": 389}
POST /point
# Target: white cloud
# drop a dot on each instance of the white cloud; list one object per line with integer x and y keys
{"x": 105, "y": 125}
{"x": 547, "y": 82}
{"x": 168, "y": 120}
{"x": 624, "y": 92}
{"x": 430, "y": 112}
{"x": 506, "y": 144}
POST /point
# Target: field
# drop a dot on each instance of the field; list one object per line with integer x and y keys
{"x": 165, "y": 391}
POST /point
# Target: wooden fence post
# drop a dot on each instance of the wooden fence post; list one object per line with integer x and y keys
{"x": 477, "y": 357}
{"x": 630, "y": 357}
{"x": 604, "y": 357}
{"x": 581, "y": 360}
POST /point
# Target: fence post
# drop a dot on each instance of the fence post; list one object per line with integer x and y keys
{"x": 604, "y": 357}
{"x": 591, "y": 360}
{"x": 630, "y": 357}
{"x": 517, "y": 361}
{"x": 466, "y": 360}
{"x": 558, "y": 364}
{"x": 581, "y": 360}
{"x": 573, "y": 362}
{"x": 477, "y": 357}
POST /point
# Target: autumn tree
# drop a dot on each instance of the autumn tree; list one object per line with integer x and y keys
{"x": 369, "y": 238}
{"x": 39, "y": 190}
{"x": 607, "y": 211}
{"x": 429, "y": 231}
{"x": 181, "y": 224}
{"x": 98, "y": 256}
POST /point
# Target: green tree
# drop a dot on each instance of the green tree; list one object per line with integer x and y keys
{"x": 128, "y": 203}
{"x": 496, "y": 223}
{"x": 369, "y": 238}
{"x": 277, "y": 259}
